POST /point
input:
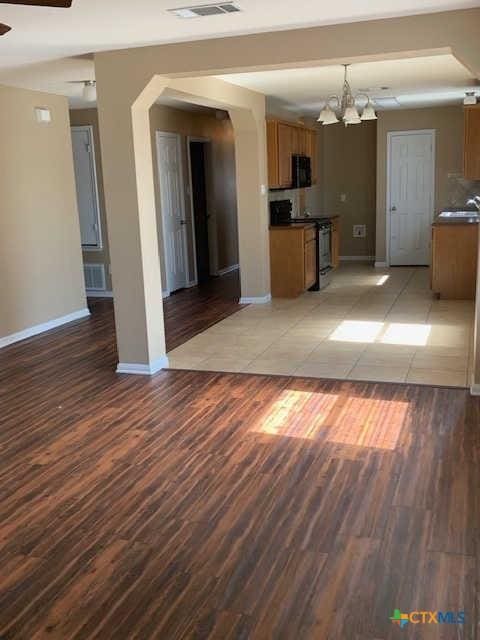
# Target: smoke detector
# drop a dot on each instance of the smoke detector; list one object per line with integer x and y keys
{"x": 205, "y": 10}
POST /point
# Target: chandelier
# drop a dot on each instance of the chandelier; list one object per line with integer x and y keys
{"x": 345, "y": 107}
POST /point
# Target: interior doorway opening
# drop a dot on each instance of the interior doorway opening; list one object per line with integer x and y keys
{"x": 196, "y": 194}
{"x": 204, "y": 228}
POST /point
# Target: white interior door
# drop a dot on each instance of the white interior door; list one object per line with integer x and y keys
{"x": 86, "y": 183}
{"x": 411, "y": 196}
{"x": 173, "y": 209}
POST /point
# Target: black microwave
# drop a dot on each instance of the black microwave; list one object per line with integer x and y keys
{"x": 301, "y": 172}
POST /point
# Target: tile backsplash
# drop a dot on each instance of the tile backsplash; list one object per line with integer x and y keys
{"x": 459, "y": 190}
{"x": 302, "y": 200}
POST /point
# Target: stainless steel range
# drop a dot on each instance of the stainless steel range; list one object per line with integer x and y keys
{"x": 281, "y": 214}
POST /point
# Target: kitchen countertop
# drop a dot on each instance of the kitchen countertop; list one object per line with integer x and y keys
{"x": 455, "y": 222}
{"x": 294, "y": 225}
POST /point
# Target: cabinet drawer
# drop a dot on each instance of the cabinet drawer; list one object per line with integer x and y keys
{"x": 310, "y": 234}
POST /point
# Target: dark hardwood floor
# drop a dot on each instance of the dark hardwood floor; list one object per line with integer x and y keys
{"x": 191, "y": 311}
{"x": 202, "y": 505}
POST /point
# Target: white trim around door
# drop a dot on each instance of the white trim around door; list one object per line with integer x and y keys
{"x": 389, "y": 203}
{"x": 168, "y": 247}
{"x": 90, "y": 144}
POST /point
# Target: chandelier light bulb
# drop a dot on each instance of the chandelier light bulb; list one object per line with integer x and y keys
{"x": 323, "y": 113}
{"x": 330, "y": 116}
{"x": 351, "y": 116}
{"x": 369, "y": 113}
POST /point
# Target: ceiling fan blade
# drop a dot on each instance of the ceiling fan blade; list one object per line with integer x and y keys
{"x": 4, "y": 28}
{"x": 41, "y": 3}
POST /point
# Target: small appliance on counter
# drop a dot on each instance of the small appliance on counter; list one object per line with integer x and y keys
{"x": 281, "y": 214}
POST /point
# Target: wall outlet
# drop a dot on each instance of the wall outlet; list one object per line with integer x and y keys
{"x": 343, "y": 197}
{"x": 359, "y": 231}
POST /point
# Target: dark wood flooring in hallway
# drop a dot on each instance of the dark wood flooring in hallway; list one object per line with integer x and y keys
{"x": 201, "y": 505}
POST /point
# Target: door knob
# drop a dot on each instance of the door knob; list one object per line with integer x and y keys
{"x": 394, "y": 208}
{"x": 182, "y": 222}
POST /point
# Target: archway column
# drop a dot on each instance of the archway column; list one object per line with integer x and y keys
{"x": 132, "y": 231}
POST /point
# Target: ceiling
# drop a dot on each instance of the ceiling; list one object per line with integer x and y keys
{"x": 414, "y": 82}
{"x": 42, "y": 33}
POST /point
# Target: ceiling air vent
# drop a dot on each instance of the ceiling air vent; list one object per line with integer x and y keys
{"x": 205, "y": 10}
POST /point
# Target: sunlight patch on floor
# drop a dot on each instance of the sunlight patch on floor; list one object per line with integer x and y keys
{"x": 356, "y": 331}
{"x": 366, "y": 422}
{"x": 415, "y": 335}
{"x": 362, "y": 422}
{"x": 296, "y": 414}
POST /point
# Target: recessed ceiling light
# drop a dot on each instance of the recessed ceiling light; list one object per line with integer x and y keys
{"x": 389, "y": 102}
{"x": 372, "y": 89}
{"x": 205, "y": 10}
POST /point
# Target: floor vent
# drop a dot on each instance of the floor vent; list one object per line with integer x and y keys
{"x": 205, "y": 10}
{"x": 94, "y": 277}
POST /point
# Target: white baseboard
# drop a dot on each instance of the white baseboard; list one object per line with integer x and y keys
{"x": 380, "y": 265}
{"x": 165, "y": 294}
{"x": 135, "y": 369}
{"x": 357, "y": 258}
{"x": 41, "y": 328}
{"x": 232, "y": 267}
{"x": 99, "y": 294}
{"x": 256, "y": 300}
{"x": 192, "y": 283}
{"x": 475, "y": 389}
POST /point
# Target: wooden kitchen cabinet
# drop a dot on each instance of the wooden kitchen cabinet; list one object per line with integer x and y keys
{"x": 310, "y": 259}
{"x": 471, "y": 149}
{"x": 293, "y": 259}
{"x": 286, "y": 145}
{"x": 335, "y": 242}
{"x": 285, "y": 139}
{"x": 311, "y": 151}
{"x": 454, "y": 260}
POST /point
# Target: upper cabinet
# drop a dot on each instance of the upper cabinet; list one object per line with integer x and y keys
{"x": 285, "y": 139}
{"x": 471, "y": 166}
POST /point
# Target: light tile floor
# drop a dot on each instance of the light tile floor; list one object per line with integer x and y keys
{"x": 370, "y": 324}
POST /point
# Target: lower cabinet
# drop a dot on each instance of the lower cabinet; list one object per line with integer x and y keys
{"x": 335, "y": 242}
{"x": 454, "y": 260}
{"x": 293, "y": 259}
{"x": 310, "y": 263}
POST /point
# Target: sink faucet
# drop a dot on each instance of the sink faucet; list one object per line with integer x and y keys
{"x": 475, "y": 201}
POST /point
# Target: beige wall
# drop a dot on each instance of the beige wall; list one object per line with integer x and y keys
{"x": 221, "y": 179}
{"x": 448, "y": 125}
{"x": 222, "y": 188}
{"x": 82, "y": 117}
{"x": 349, "y": 167}
{"x": 40, "y": 256}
